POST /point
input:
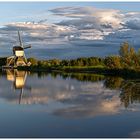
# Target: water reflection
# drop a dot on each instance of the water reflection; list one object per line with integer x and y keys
{"x": 68, "y": 105}
{"x": 73, "y": 95}
{"x": 130, "y": 92}
{"x": 18, "y": 78}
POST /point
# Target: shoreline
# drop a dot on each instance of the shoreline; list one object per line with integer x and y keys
{"x": 125, "y": 73}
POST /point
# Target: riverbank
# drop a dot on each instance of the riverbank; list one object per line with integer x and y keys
{"x": 125, "y": 73}
{"x": 126, "y": 64}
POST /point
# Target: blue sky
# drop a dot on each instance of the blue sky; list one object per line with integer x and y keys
{"x": 24, "y": 11}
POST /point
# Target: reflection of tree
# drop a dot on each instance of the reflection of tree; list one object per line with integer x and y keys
{"x": 113, "y": 82}
{"x": 84, "y": 77}
{"x": 130, "y": 92}
{"x": 78, "y": 76}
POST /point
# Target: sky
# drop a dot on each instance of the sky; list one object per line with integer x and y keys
{"x": 69, "y": 29}
{"x": 24, "y": 11}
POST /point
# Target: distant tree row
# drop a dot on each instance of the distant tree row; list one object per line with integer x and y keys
{"x": 127, "y": 58}
{"x": 91, "y": 61}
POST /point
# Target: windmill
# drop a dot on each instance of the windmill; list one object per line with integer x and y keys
{"x": 18, "y": 58}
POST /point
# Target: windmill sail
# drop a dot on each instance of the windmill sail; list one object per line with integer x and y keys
{"x": 27, "y": 46}
{"x": 20, "y": 41}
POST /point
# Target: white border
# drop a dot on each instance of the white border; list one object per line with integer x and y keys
{"x": 70, "y": 1}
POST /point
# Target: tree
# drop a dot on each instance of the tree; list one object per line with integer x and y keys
{"x": 124, "y": 49}
{"x": 113, "y": 62}
{"x": 128, "y": 55}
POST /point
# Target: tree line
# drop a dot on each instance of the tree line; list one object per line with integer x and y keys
{"x": 127, "y": 58}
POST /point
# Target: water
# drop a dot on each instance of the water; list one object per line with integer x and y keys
{"x": 68, "y": 105}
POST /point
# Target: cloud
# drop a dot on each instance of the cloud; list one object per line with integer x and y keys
{"x": 100, "y": 24}
{"x": 35, "y": 32}
{"x": 90, "y": 15}
{"x": 133, "y": 24}
{"x": 77, "y": 26}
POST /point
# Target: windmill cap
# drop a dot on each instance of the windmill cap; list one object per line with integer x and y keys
{"x": 17, "y": 48}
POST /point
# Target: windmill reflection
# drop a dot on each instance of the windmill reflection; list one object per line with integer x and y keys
{"x": 18, "y": 78}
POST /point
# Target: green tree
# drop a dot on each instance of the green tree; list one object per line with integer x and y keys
{"x": 113, "y": 62}
{"x": 128, "y": 56}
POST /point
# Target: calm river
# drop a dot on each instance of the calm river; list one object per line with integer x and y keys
{"x": 68, "y": 105}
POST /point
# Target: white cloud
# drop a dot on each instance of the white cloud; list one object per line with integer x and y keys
{"x": 97, "y": 24}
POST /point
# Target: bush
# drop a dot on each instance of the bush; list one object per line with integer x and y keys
{"x": 34, "y": 62}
